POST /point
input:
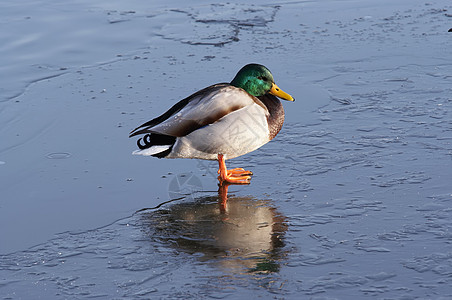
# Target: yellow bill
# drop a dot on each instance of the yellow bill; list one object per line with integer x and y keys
{"x": 276, "y": 91}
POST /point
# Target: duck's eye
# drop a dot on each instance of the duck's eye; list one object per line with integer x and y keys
{"x": 262, "y": 78}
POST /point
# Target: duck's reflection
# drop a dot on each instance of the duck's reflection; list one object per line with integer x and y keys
{"x": 240, "y": 234}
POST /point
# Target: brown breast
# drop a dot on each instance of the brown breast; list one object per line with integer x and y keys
{"x": 276, "y": 118}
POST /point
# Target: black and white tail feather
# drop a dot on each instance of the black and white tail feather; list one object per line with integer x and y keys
{"x": 154, "y": 144}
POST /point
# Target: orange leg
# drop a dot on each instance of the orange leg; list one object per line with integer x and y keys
{"x": 235, "y": 176}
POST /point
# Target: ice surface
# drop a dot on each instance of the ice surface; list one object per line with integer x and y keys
{"x": 350, "y": 201}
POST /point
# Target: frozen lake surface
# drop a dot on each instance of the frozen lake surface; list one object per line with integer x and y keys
{"x": 352, "y": 200}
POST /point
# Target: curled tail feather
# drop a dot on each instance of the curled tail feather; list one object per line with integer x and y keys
{"x": 154, "y": 144}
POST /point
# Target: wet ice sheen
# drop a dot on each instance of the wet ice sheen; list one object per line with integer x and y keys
{"x": 154, "y": 245}
{"x": 350, "y": 201}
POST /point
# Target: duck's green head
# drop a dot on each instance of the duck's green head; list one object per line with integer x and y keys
{"x": 258, "y": 81}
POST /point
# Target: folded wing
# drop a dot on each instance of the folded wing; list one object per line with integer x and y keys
{"x": 200, "y": 109}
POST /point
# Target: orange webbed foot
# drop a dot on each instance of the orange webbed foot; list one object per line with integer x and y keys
{"x": 234, "y": 176}
{"x": 239, "y": 172}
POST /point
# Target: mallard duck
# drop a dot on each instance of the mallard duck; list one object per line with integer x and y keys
{"x": 220, "y": 122}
